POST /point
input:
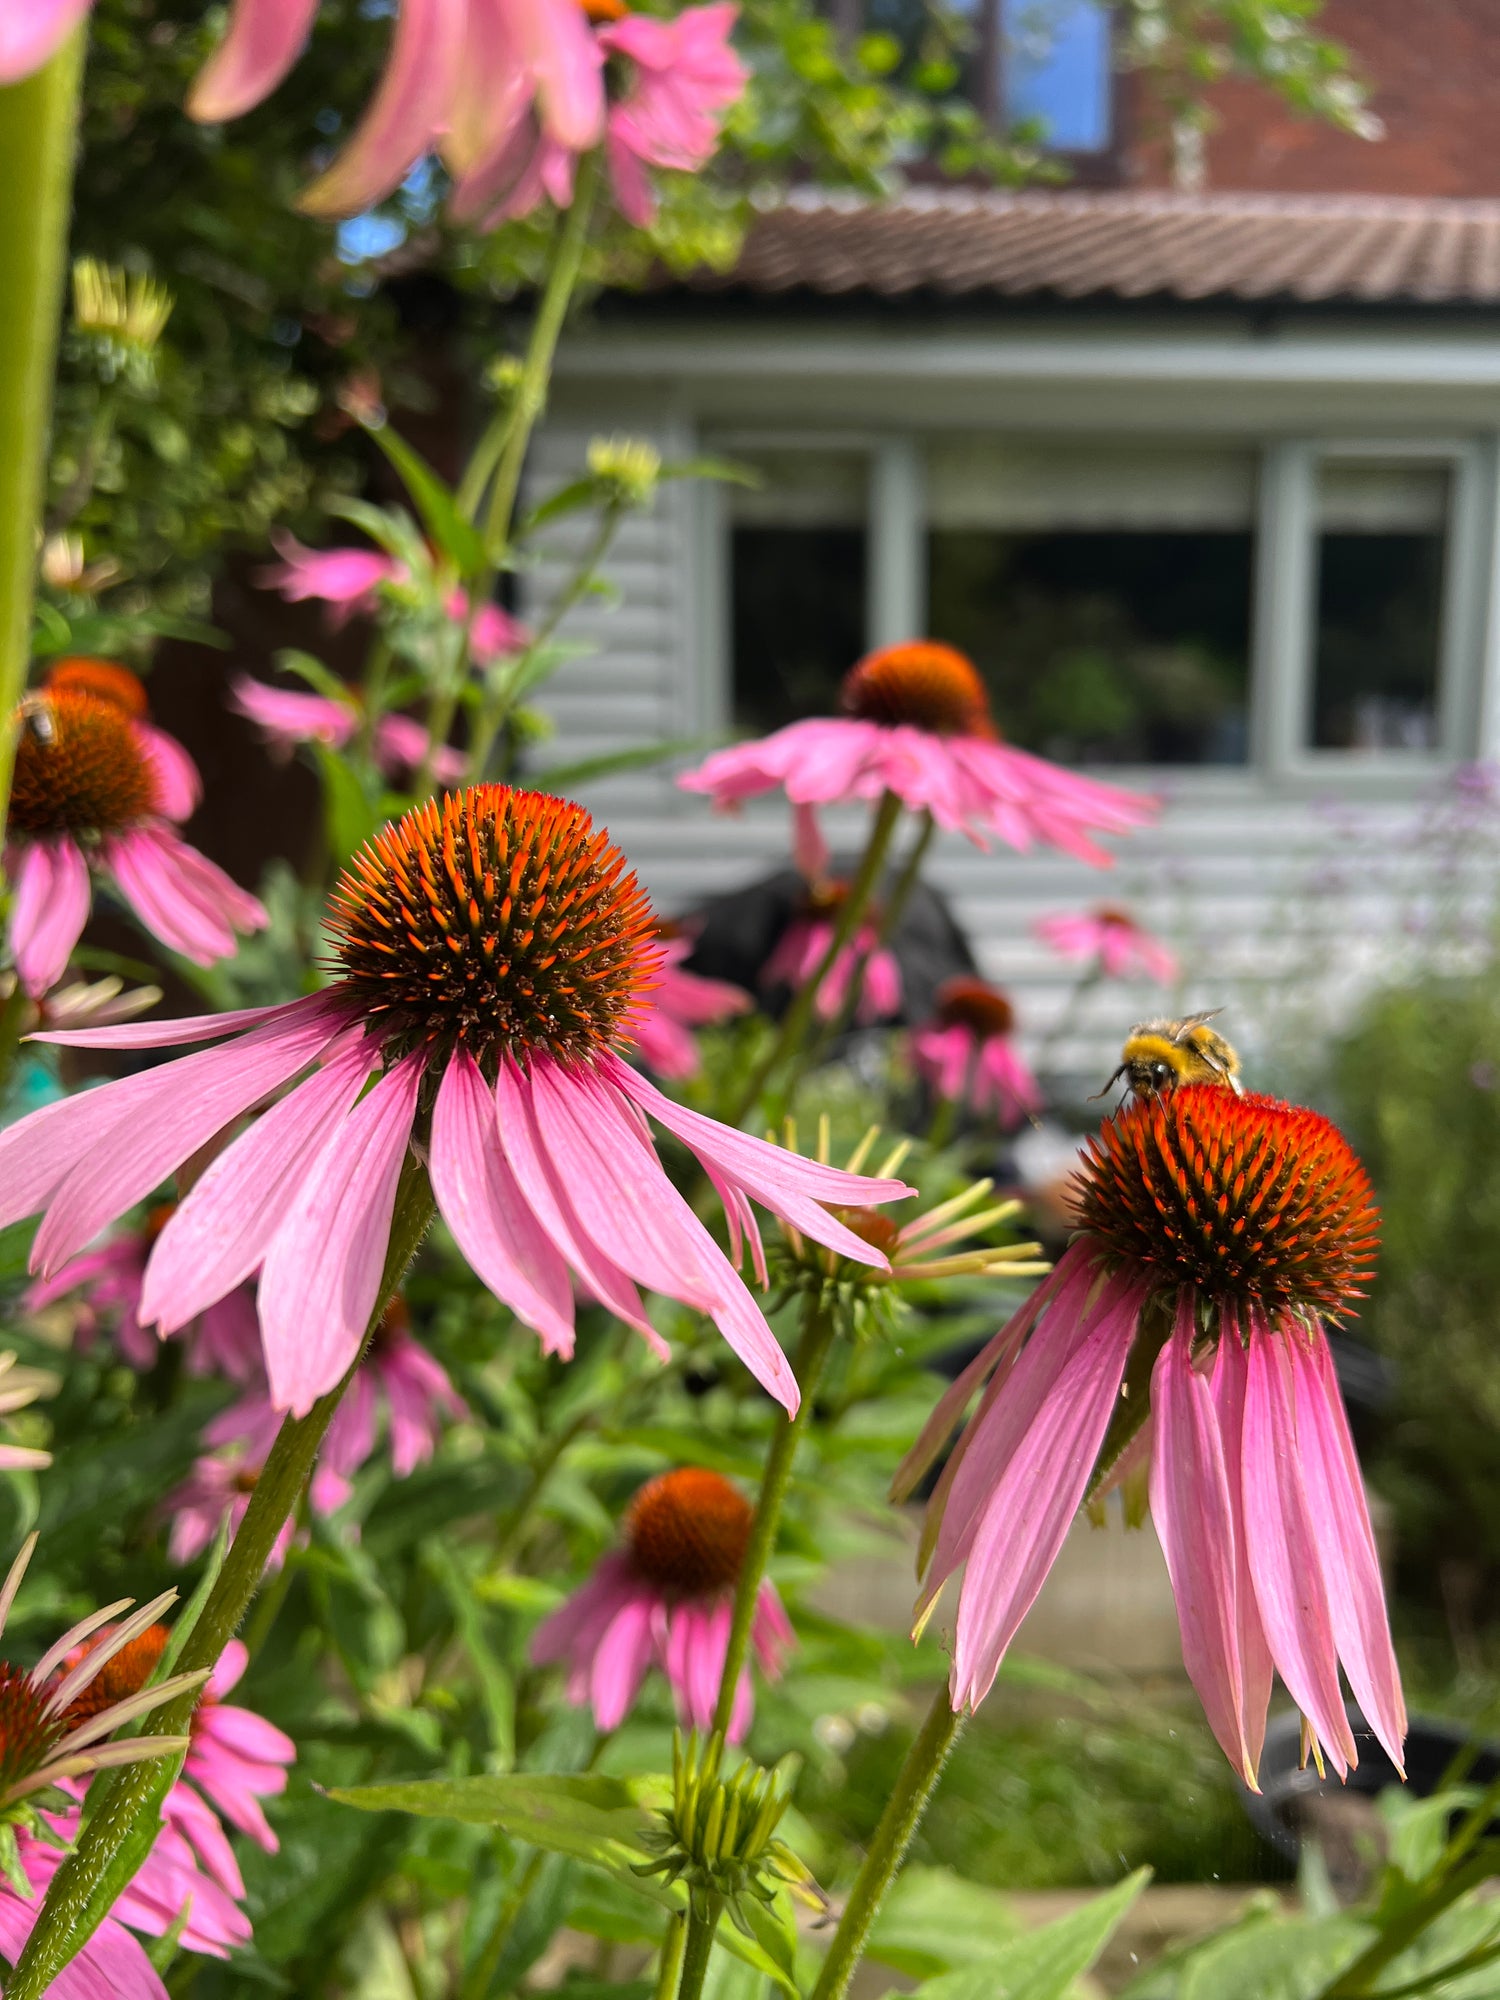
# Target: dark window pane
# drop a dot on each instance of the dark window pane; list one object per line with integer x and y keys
{"x": 1117, "y": 646}
{"x": 1381, "y": 557}
{"x": 798, "y": 612}
{"x": 1055, "y": 69}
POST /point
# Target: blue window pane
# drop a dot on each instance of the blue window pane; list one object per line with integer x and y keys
{"x": 1056, "y": 70}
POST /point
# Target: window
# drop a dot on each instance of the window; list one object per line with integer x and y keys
{"x": 797, "y": 591}
{"x": 1381, "y": 555}
{"x": 1056, "y": 71}
{"x": 1104, "y": 595}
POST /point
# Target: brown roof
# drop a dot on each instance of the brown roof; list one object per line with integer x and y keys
{"x": 1126, "y": 246}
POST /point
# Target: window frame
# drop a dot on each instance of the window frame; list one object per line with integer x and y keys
{"x": 1282, "y": 609}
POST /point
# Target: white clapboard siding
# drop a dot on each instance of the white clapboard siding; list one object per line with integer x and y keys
{"x": 1267, "y": 898}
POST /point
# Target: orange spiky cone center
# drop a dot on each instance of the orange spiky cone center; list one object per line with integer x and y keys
{"x": 497, "y": 920}
{"x": 80, "y": 768}
{"x": 922, "y": 683}
{"x": 1249, "y": 1200}
{"x": 975, "y": 1004}
{"x": 27, "y": 1732}
{"x": 121, "y": 1676}
{"x": 105, "y": 679}
{"x": 871, "y": 1225}
{"x": 687, "y": 1532}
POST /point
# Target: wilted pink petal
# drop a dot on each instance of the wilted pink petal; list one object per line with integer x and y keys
{"x": 264, "y": 38}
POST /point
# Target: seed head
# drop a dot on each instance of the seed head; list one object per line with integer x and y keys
{"x": 1249, "y": 1200}
{"x": 498, "y": 920}
{"x": 688, "y": 1531}
{"x": 971, "y": 1003}
{"x": 920, "y": 682}
{"x": 80, "y": 767}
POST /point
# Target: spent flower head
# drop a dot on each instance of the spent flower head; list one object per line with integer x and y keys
{"x": 627, "y": 467}
{"x": 122, "y": 316}
{"x": 718, "y": 1836}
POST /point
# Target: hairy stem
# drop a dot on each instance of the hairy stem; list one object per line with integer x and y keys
{"x": 70, "y": 1912}
{"x": 812, "y": 1355}
{"x": 798, "y": 1016}
{"x": 38, "y": 129}
{"x": 902, "y": 1816}
{"x": 669, "y": 1964}
{"x": 701, "y": 1929}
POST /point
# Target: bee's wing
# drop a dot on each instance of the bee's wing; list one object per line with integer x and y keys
{"x": 1191, "y": 1021}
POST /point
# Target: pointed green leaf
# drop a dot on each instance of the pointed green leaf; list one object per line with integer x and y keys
{"x": 1044, "y": 1964}
{"x": 457, "y": 538}
{"x": 589, "y": 1817}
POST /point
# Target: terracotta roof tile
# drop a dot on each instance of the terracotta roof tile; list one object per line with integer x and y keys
{"x": 1108, "y": 245}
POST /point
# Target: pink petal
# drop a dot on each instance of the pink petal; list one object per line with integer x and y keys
{"x": 179, "y": 786}
{"x": 631, "y": 1211}
{"x": 111, "y": 1146}
{"x": 1227, "y": 1385}
{"x": 1282, "y": 1541}
{"x": 178, "y": 1032}
{"x": 223, "y": 1228}
{"x": 479, "y": 1199}
{"x": 1038, "y": 1488}
{"x": 321, "y": 1277}
{"x": 264, "y": 39}
{"x": 180, "y": 895}
{"x": 199, "y": 1826}
{"x": 31, "y": 32}
{"x": 1346, "y": 1543}
{"x": 620, "y": 1663}
{"x": 408, "y": 111}
{"x": 49, "y": 911}
{"x": 563, "y": 55}
{"x": 1194, "y": 1518}
{"x": 290, "y": 715}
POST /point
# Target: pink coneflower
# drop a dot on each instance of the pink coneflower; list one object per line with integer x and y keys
{"x": 802, "y": 946}
{"x": 235, "y": 1758}
{"x": 451, "y": 62}
{"x": 918, "y": 724}
{"x": 223, "y": 1340}
{"x": 490, "y": 950}
{"x": 1216, "y": 1233}
{"x": 679, "y": 1002}
{"x": 289, "y": 716}
{"x": 399, "y": 1376}
{"x": 682, "y": 77}
{"x": 350, "y": 580}
{"x": 178, "y": 780}
{"x": 667, "y": 1600}
{"x": 91, "y": 791}
{"x": 1111, "y": 940}
{"x": 968, "y": 1052}
{"x": 219, "y": 1484}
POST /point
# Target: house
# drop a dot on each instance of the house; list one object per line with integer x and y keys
{"x": 1208, "y": 483}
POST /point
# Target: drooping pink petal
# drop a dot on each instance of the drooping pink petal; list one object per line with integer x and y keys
{"x": 220, "y": 1232}
{"x": 179, "y": 785}
{"x": 790, "y": 1186}
{"x": 563, "y": 55}
{"x": 630, "y": 1210}
{"x": 199, "y": 1826}
{"x": 93, "y": 1156}
{"x": 32, "y": 31}
{"x": 401, "y": 747}
{"x": 620, "y": 1662}
{"x": 1346, "y": 1542}
{"x": 181, "y": 1031}
{"x": 181, "y": 896}
{"x": 1227, "y": 1385}
{"x": 288, "y": 716}
{"x": 1282, "y": 1542}
{"x": 1194, "y": 1518}
{"x": 478, "y": 1198}
{"x": 111, "y": 1966}
{"x": 407, "y": 113}
{"x": 263, "y": 40}
{"x": 1040, "y": 1484}
{"x": 321, "y": 1277}
{"x": 49, "y": 911}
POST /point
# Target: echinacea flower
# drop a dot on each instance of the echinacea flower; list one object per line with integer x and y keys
{"x": 235, "y": 1758}
{"x": 666, "y": 1599}
{"x": 451, "y": 61}
{"x": 679, "y": 1002}
{"x": 682, "y": 77}
{"x": 1111, "y": 940}
{"x": 490, "y": 950}
{"x": 349, "y": 581}
{"x": 218, "y": 1487}
{"x": 413, "y": 1388}
{"x": 1216, "y": 1234}
{"x": 178, "y": 781}
{"x": 968, "y": 1052}
{"x": 223, "y": 1340}
{"x": 93, "y": 790}
{"x": 917, "y": 724}
{"x": 289, "y": 716}
{"x": 803, "y": 945}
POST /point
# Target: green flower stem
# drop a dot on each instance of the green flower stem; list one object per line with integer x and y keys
{"x": 669, "y": 1965}
{"x": 798, "y": 1016}
{"x": 119, "y": 1797}
{"x": 701, "y": 1929}
{"x": 38, "y": 132}
{"x": 900, "y": 1820}
{"x": 520, "y": 420}
{"x": 818, "y": 1336}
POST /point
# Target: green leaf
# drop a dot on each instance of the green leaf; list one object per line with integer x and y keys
{"x": 1273, "y": 1958}
{"x": 292, "y": 661}
{"x": 1043, "y": 1965}
{"x": 350, "y": 816}
{"x": 589, "y": 1817}
{"x": 634, "y": 759}
{"x": 725, "y": 469}
{"x": 458, "y": 539}
{"x": 569, "y": 499}
{"x": 933, "y": 1921}
{"x": 496, "y": 1686}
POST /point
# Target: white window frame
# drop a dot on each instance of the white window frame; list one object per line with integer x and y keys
{"x": 1283, "y": 598}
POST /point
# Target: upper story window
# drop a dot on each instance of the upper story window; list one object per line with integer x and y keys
{"x": 1057, "y": 72}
